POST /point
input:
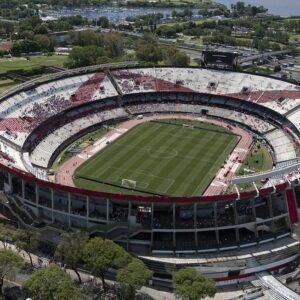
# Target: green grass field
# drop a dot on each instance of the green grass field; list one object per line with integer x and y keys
{"x": 16, "y": 63}
{"x": 162, "y": 158}
{"x": 6, "y": 84}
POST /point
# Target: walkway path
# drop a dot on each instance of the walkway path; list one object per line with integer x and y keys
{"x": 154, "y": 293}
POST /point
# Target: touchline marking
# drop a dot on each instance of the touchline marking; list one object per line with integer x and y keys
{"x": 164, "y": 189}
{"x": 225, "y": 149}
{"x": 137, "y": 171}
{"x": 170, "y": 156}
{"x": 158, "y": 154}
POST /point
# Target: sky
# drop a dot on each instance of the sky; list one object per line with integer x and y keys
{"x": 279, "y": 7}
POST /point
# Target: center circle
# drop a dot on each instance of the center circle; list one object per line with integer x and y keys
{"x": 162, "y": 152}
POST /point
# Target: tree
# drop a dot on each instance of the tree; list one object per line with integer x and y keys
{"x": 277, "y": 68}
{"x": 26, "y": 241}
{"x": 253, "y": 68}
{"x": 275, "y": 47}
{"x": 41, "y": 29}
{"x": 166, "y": 31}
{"x": 114, "y": 44}
{"x": 260, "y": 31}
{"x": 189, "y": 284}
{"x": 16, "y": 50}
{"x": 86, "y": 38}
{"x": 26, "y": 35}
{"x": 103, "y": 22}
{"x": 51, "y": 283}
{"x": 70, "y": 249}
{"x": 45, "y": 43}
{"x": 10, "y": 263}
{"x": 100, "y": 255}
{"x": 133, "y": 277}
{"x": 4, "y": 234}
{"x": 148, "y": 49}
{"x": 174, "y": 57}
{"x": 85, "y": 56}
{"x": 180, "y": 59}
{"x": 26, "y": 46}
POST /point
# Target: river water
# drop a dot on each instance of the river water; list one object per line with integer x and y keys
{"x": 119, "y": 14}
{"x": 114, "y": 14}
{"x": 277, "y": 7}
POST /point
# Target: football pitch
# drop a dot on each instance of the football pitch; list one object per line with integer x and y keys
{"x": 163, "y": 158}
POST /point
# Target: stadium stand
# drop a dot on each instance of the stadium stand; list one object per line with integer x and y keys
{"x": 283, "y": 147}
{"x": 41, "y": 117}
{"x": 46, "y": 148}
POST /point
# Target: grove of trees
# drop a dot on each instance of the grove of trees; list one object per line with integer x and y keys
{"x": 97, "y": 255}
{"x": 133, "y": 276}
{"x": 51, "y": 283}
{"x": 189, "y": 284}
{"x": 10, "y": 264}
{"x": 70, "y": 250}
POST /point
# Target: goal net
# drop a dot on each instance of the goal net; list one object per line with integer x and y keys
{"x": 129, "y": 183}
{"x": 188, "y": 126}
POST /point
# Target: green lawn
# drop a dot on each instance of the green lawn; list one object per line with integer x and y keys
{"x": 16, "y": 63}
{"x": 79, "y": 144}
{"x": 6, "y": 84}
{"x": 180, "y": 23}
{"x": 162, "y": 158}
{"x": 295, "y": 37}
{"x": 257, "y": 160}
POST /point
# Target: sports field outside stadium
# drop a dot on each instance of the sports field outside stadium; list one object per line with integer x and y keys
{"x": 159, "y": 157}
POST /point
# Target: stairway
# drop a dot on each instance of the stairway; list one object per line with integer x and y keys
{"x": 114, "y": 82}
{"x": 18, "y": 213}
{"x": 120, "y": 93}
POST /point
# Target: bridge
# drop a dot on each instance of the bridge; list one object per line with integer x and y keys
{"x": 266, "y": 174}
{"x": 264, "y": 55}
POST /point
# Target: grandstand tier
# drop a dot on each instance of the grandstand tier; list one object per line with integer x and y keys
{"x": 40, "y": 118}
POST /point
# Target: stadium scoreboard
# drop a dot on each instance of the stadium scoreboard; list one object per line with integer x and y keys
{"x": 220, "y": 59}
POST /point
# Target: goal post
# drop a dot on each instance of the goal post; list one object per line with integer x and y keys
{"x": 129, "y": 183}
{"x": 188, "y": 126}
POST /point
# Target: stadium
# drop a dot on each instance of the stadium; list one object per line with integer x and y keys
{"x": 163, "y": 177}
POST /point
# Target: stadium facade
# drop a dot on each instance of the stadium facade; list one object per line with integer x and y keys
{"x": 225, "y": 235}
